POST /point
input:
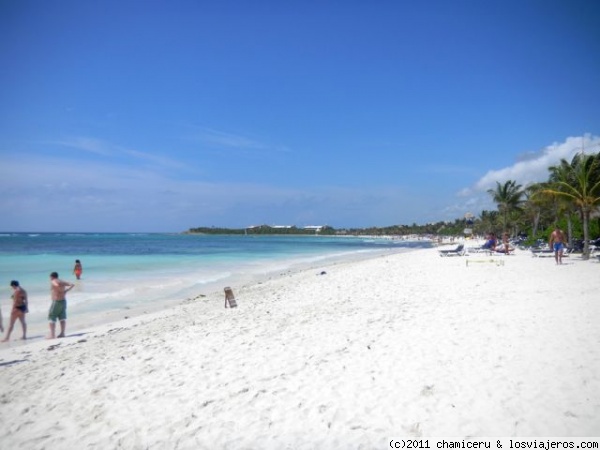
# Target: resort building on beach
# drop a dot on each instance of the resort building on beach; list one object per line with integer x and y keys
{"x": 315, "y": 228}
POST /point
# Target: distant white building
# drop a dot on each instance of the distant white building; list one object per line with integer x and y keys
{"x": 316, "y": 228}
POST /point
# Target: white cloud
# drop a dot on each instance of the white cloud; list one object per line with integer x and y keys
{"x": 534, "y": 168}
{"x": 63, "y": 193}
{"x": 531, "y": 167}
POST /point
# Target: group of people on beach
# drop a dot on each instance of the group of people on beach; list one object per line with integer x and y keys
{"x": 491, "y": 243}
{"x": 58, "y": 307}
{"x": 556, "y": 243}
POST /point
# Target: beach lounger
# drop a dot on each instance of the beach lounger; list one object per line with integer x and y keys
{"x": 230, "y": 298}
{"x": 458, "y": 251}
{"x": 480, "y": 250}
{"x": 500, "y": 251}
{"x": 541, "y": 252}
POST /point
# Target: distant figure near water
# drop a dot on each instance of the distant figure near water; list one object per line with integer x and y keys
{"x": 58, "y": 308}
{"x": 19, "y": 309}
{"x": 78, "y": 269}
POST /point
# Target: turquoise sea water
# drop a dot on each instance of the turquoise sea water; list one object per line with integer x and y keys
{"x": 139, "y": 269}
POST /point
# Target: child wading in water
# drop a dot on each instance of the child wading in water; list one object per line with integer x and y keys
{"x": 78, "y": 270}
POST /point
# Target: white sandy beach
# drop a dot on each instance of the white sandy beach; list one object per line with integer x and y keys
{"x": 402, "y": 345}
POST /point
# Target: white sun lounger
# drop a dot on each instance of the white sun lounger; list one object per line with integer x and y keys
{"x": 458, "y": 251}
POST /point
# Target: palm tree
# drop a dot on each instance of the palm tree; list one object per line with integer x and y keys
{"x": 535, "y": 206}
{"x": 487, "y": 222}
{"x": 563, "y": 206}
{"x": 579, "y": 183}
{"x": 508, "y": 197}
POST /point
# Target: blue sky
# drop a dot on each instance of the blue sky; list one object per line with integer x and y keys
{"x": 161, "y": 116}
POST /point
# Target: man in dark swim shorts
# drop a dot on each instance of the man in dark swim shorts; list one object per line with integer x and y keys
{"x": 58, "y": 308}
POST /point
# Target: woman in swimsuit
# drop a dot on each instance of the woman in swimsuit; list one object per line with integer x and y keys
{"x": 19, "y": 310}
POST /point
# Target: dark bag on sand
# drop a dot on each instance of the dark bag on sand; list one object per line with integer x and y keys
{"x": 230, "y": 298}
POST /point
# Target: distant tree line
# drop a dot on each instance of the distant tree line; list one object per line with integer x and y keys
{"x": 570, "y": 199}
{"x": 263, "y": 229}
{"x": 447, "y": 228}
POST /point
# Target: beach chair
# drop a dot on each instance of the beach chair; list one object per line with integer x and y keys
{"x": 500, "y": 250}
{"x": 230, "y": 298}
{"x": 458, "y": 251}
{"x": 541, "y": 252}
{"x": 479, "y": 250}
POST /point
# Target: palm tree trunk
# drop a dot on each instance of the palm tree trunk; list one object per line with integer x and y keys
{"x": 569, "y": 231}
{"x": 536, "y": 222}
{"x": 586, "y": 232}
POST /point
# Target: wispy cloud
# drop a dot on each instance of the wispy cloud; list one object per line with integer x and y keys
{"x": 86, "y": 144}
{"x": 216, "y": 138}
{"x": 105, "y": 196}
{"x": 109, "y": 150}
{"x": 108, "y": 194}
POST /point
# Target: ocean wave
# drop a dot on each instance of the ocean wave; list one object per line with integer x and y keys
{"x": 214, "y": 278}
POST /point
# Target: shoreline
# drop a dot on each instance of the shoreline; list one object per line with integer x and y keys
{"x": 403, "y": 344}
{"x": 80, "y": 321}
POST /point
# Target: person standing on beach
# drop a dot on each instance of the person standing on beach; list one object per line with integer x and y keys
{"x": 78, "y": 269}
{"x": 505, "y": 242}
{"x": 19, "y": 309}
{"x": 58, "y": 308}
{"x": 557, "y": 242}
